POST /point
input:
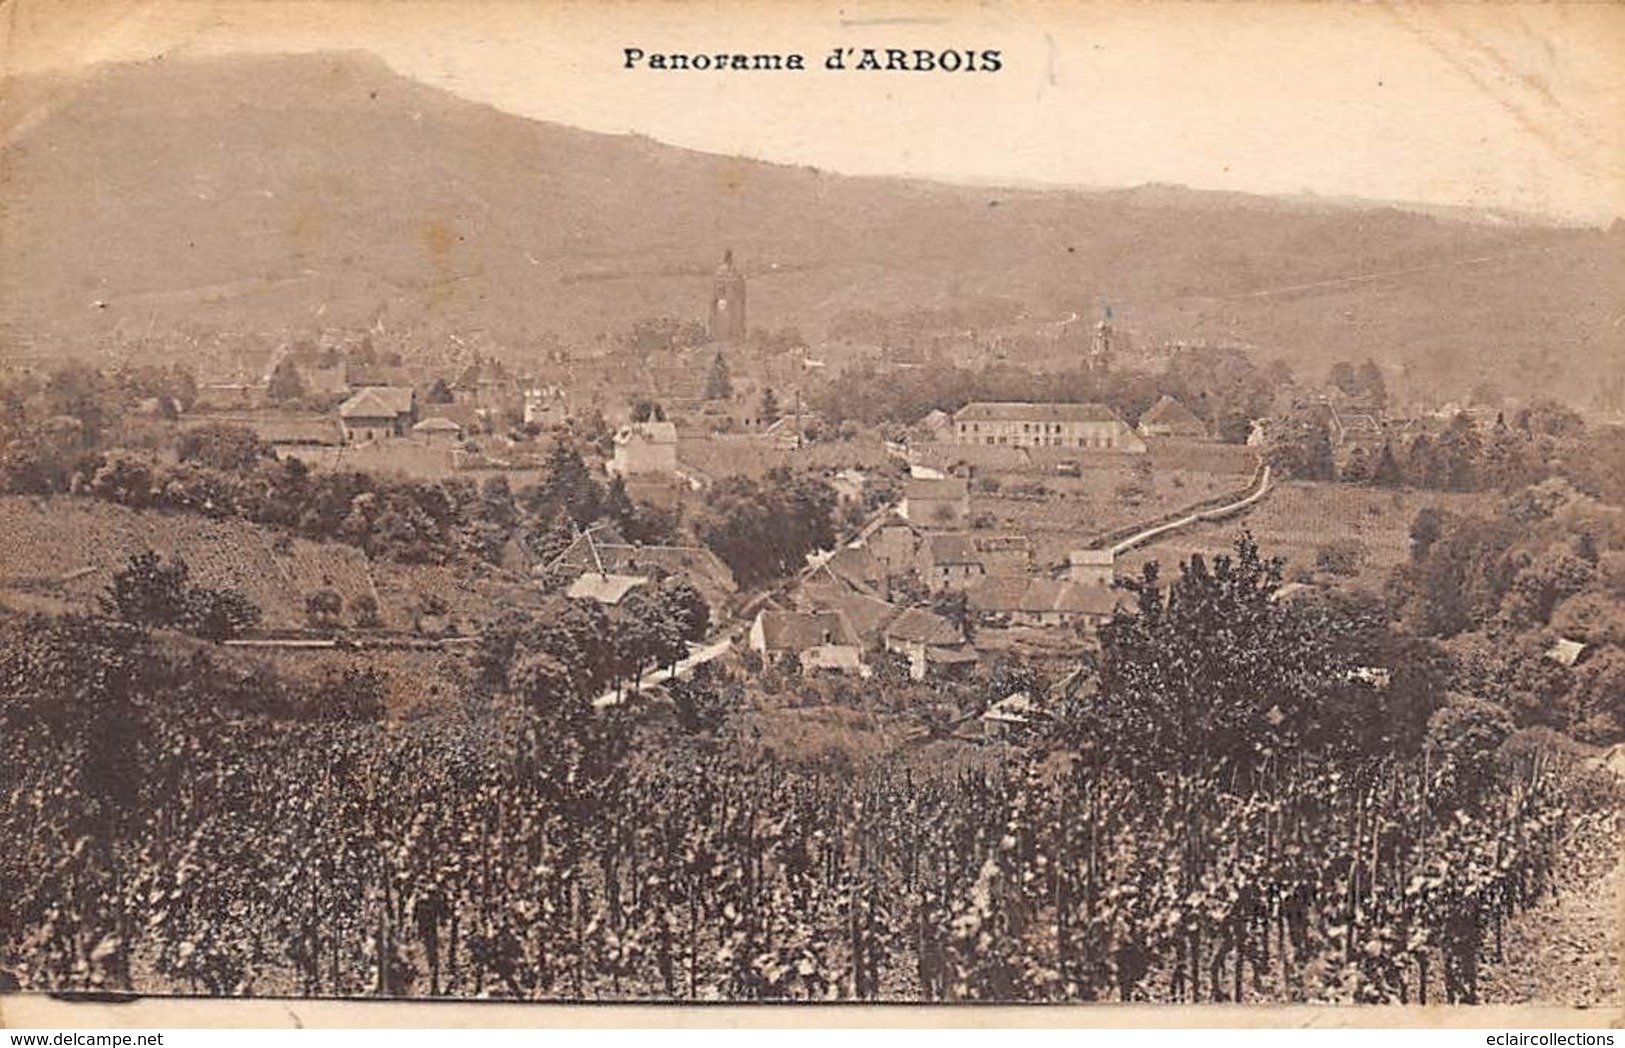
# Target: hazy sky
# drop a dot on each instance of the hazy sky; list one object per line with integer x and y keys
{"x": 1503, "y": 105}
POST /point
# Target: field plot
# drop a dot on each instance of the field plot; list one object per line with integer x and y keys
{"x": 1060, "y": 513}
{"x": 408, "y": 459}
{"x": 47, "y": 540}
{"x": 1299, "y": 518}
{"x": 719, "y": 457}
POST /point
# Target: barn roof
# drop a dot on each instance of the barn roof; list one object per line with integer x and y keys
{"x": 437, "y": 425}
{"x": 604, "y": 589}
{"x": 1035, "y": 594}
{"x": 378, "y": 402}
{"x": 863, "y": 613}
{"x": 919, "y": 626}
{"x": 857, "y": 565}
{"x": 1170, "y": 412}
{"x": 801, "y": 630}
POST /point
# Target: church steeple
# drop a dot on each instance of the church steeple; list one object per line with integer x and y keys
{"x": 727, "y": 321}
{"x": 1100, "y": 348}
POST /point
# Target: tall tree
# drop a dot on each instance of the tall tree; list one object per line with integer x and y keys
{"x": 286, "y": 383}
{"x": 1199, "y": 669}
{"x": 718, "y": 382}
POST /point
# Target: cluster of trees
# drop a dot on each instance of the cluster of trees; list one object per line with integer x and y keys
{"x": 1194, "y": 669}
{"x": 1220, "y": 385}
{"x": 765, "y": 529}
{"x": 1539, "y": 441}
{"x": 82, "y": 406}
{"x": 1550, "y": 564}
{"x": 169, "y": 839}
{"x": 1215, "y": 669}
{"x": 559, "y": 659}
{"x": 664, "y": 334}
{"x": 1363, "y": 382}
{"x": 718, "y": 380}
{"x": 151, "y": 594}
{"x": 761, "y": 529}
{"x": 362, "y": 352}
{"x": 107, "y": 682}
{"x": 225, "y": 471}
{"x": 325, "y": 611}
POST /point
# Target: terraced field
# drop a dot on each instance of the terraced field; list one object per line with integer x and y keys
{"x": 44, "y": 540}
{"x": 1062, "y": 513}
{"x": 1297, "y": 518}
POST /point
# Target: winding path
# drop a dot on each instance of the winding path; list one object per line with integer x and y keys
{"x": 1156, "y": 531}
{"x": 722, "y": 640}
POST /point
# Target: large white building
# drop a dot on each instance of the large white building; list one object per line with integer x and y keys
{"x": 1025, "y": 425}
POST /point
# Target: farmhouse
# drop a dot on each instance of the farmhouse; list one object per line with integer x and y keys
{"x": 437, "y": 431}
{"x": 1027, "y": 425}
{"x": 645, "y": 448}
{"x": 781, "y": 632}
{"x": 956, "y": 559}
{"x": 857, "y": 568}
{"x": 1031, "y": 600}
{"x": 377, "y": 412}
{"x": 865, "y": 615}
{"x": 1169, "y": 418}
{"x": 818, "y": 638}
{"x": 936, "y": 503}
{"x": 895, "y": 546}
{"x": 931, "y": 643}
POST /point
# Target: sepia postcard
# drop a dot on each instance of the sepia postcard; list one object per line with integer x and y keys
{"x": 514, "y": 506}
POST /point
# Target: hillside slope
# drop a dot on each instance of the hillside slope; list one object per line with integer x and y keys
{"x": 49, "y": 539}
{"x": 279, "y": 194}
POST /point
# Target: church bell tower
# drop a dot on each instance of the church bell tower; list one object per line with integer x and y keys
{"x": 727, "y": 321}
{"x": 1100, "y": 347}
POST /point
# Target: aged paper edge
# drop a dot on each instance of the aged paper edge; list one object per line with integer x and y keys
{"x": 41, "y": 1011}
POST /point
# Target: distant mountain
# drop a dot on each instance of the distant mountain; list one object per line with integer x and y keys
{"x": 282, "y": 194}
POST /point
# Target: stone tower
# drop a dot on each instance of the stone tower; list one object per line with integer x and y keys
{"x": 728, "y": 302}
{"x": 1100, "y": 347}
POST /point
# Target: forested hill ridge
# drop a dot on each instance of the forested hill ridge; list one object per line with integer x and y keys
{"x": 277, "y": 194}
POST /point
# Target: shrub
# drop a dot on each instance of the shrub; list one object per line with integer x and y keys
{"x": 351, "y": 694}
{"x": 1340, "y": 557}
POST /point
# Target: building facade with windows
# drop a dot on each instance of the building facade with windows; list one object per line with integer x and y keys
{"x": 1026, "y": 425}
